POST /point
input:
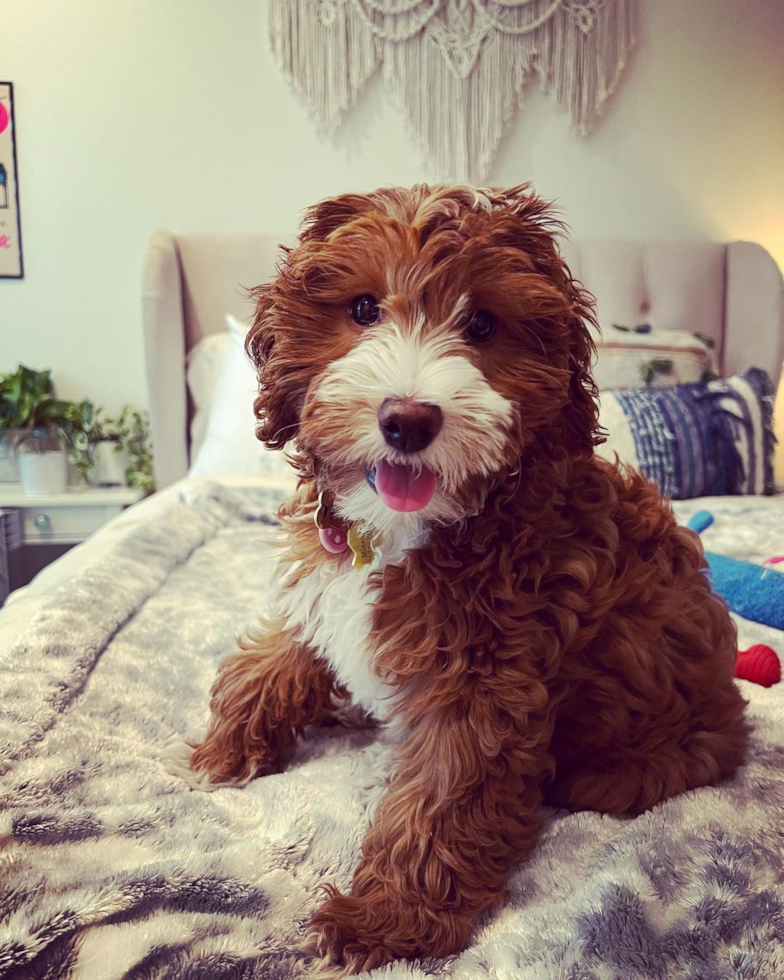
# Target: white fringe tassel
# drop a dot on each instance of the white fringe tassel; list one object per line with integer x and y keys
{"x": 458, "y": 67}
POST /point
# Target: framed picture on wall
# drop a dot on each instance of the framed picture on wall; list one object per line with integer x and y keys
{"x": 11, "y": 266}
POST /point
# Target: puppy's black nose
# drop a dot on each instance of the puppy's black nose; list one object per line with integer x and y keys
{"x": 408, "y": 425}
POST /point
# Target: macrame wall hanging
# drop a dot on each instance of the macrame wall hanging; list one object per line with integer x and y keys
{"x": 458, "y": 67}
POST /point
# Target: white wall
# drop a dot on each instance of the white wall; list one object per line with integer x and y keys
{"x": 139, "y": 114}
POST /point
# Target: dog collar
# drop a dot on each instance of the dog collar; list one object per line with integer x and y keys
{"x": 336, "y": 536}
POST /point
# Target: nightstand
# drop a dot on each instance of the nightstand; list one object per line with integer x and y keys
{"x": 38, "y": 529}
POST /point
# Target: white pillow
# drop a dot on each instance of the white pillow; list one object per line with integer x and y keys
{"x": 230, "y": 444}
{"x": 629, "y": 358}
{"x": 205, "y": 364}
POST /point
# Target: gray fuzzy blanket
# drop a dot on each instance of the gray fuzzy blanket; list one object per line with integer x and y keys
{"x": 110, "y": 867}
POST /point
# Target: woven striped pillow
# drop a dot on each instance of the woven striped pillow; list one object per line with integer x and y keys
{"x": 695, "y": 440}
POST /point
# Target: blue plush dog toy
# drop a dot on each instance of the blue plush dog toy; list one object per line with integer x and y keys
{"x": 752, "y": 591}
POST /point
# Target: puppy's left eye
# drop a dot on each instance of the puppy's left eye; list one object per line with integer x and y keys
{"x": 364, "y": 310}
{"x": 481, "y": 326}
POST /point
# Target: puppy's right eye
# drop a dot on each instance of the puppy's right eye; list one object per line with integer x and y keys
{"x": 364, "y": 310}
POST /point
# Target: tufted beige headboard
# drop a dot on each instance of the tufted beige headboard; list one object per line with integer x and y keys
{"x": 732, "y": 292}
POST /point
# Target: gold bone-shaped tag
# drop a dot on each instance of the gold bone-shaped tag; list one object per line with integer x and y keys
{"x": 362, "y": 546}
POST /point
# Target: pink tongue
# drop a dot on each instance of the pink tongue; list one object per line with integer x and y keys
{"x": 401, "y": 490}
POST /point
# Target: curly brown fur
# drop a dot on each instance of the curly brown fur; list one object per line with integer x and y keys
{"x": 546, "y": 631}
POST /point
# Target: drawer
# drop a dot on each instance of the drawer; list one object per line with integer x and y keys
{"x": 64, "y": 525}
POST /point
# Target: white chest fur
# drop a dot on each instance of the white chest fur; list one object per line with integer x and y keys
{"x": 333, "y": 609}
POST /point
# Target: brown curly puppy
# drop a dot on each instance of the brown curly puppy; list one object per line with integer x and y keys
{"x": 529, "y": 621}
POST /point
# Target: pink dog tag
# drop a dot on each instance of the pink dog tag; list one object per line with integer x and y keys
{"x": 333, "y": 539}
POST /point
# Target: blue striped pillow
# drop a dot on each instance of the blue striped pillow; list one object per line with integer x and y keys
{"x": 695, "y": 440}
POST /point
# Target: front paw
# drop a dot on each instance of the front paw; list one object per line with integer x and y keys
{"x": 352, "y": 932}
{"x": 362, "y": 933}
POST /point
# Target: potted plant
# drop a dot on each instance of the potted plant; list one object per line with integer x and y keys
{"x": 41, "y": 434}
{"x": 33, "y": 424}
{"x": 121, "y": 453}
{"x": 19, "y": 392}
{"x": 109, "y": 458}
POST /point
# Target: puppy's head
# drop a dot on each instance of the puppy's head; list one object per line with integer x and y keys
{"x": 415, "y": 342}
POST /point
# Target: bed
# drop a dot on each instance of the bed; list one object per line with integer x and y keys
{"x": 110, "y": 866}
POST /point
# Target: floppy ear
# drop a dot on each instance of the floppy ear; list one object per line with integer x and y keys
{"x": 535, "y": 232}
{"x": 581, "y": 415}
{"x": 282, "y": 359}
{"x": 276, "y": 405}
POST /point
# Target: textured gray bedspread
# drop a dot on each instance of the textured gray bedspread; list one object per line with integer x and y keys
{"x": 111, "y": 867}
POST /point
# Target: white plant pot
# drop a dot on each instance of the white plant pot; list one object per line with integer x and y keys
{"x": 45, "y": 472}
{"x": 109, "y": 466}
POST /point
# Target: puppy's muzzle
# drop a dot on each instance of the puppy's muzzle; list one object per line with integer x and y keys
{"x": 408, "y": 425}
